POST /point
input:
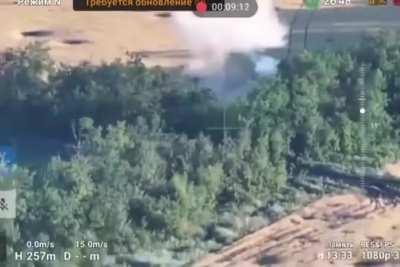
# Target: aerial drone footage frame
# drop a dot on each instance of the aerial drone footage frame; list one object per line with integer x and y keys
{"x": 200, "y": 137}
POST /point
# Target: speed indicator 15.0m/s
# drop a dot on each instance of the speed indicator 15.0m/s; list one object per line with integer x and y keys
{"x": 227, "y": 8}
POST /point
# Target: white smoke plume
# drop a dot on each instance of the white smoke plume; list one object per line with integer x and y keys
{"x": 265, "y": 65}
{"x": 212, "y": 39}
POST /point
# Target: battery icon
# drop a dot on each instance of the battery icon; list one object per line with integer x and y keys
{"x": 377, "y": 2}
{"x": 312, "y": 4}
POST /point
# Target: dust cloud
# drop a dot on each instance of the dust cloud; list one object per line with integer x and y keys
{"x": 211, "y": 40}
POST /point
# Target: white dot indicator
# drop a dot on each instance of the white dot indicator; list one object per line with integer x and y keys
{"x": 362, "y": 110}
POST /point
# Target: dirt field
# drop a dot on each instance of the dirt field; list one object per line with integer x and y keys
{"x": 94, "y": 36}
{"x": 97, "y": 36}
{"x": 303, "y": 239}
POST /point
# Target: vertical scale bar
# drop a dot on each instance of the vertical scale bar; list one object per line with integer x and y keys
{"x": 323, "y": 185}
{"x": 224, "y": 127}
{"x": 363, "y": 126}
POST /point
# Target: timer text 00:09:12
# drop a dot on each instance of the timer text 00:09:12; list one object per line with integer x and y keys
{"x": 230, "y": 6}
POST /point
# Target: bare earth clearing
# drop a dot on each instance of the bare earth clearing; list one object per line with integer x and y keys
{"x": 102, "y": 36}
{"x": 92, "y": 36}
{"x": 299, "y": 239}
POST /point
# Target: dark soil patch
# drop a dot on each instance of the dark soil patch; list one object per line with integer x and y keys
{"x": 164, "y": 15}
{"x": 75, "y": 41}
{"x": 269, "y": 259}
{"x": 37, "y": 33}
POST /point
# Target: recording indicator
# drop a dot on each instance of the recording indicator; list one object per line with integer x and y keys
{"x": 201, "y": 6}
{"x": 226, "y": 8}
{"x": 377, "y": 2}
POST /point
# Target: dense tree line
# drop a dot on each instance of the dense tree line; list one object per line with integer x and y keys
{"x": 314, "y": 104}
{"x": 145, "y": 174}
{"x": 45, "y": 98}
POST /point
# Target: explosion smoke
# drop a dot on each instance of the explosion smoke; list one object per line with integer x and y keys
{"x": 211, "y": 40}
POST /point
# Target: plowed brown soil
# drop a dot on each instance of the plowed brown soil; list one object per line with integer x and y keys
{"x": 301, "y": 239}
